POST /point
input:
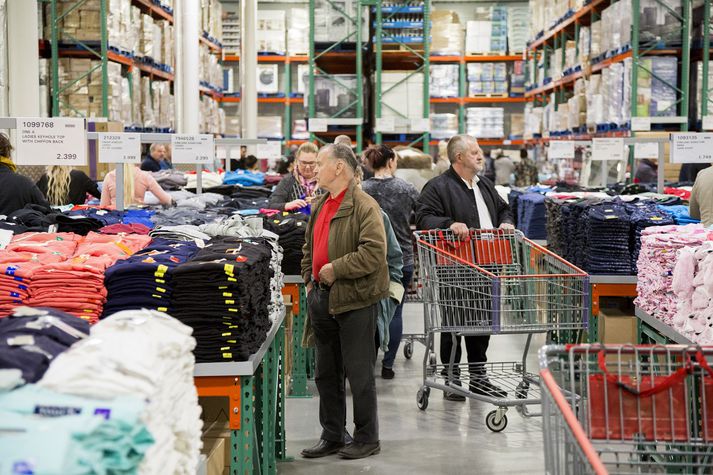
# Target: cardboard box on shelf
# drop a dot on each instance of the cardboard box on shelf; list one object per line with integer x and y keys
{"x": 214, "y": 450}
{"x": 447, "y": 35}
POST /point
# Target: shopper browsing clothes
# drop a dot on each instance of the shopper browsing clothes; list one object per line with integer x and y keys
{"x": 701, "y": 203}
{"x": 460, "y": 200}
{"x": 17, "y": 190}
{"x": 157, "y": 159}
{"x": 63, "y": 186}
{"x": 297, "y": 189}
{"x": 344, "y": 269}
{"x": 136, "y": 184}
{"x": 398, "y": 199}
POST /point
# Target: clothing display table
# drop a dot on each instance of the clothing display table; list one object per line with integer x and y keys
{"x": 608, "y": 286}
{"x": 653, "y": 330}
{"x": 256, "y": 393}
{"x": 303, "y": 358}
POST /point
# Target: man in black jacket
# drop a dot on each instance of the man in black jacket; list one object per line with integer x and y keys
{"x": 460, "y": 200}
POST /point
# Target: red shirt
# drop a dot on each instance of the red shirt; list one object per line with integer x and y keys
{"x": 320, "y": 236}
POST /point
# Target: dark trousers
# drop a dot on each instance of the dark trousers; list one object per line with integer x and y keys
{"x": 345, "y": 347}
{"x": 477, "y": 347}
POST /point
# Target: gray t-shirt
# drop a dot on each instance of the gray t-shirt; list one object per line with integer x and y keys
{"x": 397, "y": 198}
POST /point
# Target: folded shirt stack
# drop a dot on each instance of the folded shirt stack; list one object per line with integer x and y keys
{"x": 145, "y": 279}
{"x": 76, "y": 285}
{"x": 244, "y": 177}
{"x": 692, "y": 283}
{"x": 30, "y": 338}
{"x": 680, "y": 213}
{"x": 224, "y": 293}
{"x": 659, "y": 249}
{"x": 607, "y": 247}
{"x": 531, "y": 215}
{"x": 290, "y": 227}
{"x": 146, "y": 354}
{"x": 54, "y": 434}
{"x": 182, "y": 232}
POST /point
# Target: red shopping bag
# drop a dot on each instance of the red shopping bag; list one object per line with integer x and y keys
{"x": 654, "y": 410}
{"x": 705, "y": 401}
{"x": 480, "y": 248}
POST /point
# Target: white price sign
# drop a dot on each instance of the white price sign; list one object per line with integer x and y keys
{"x": 640, "y": 124}
{"x": 708, "y": 122}
{"x": 192, "y": 148}
{"x": 608, "y": 149}
{"x": 385, "y": 124}
{"x": 53, "y": 141}
{"x": 317, "y": 125}
{"x": 561, "y": 149}
{"x": 646, "y": 150}
{"x": 271, "y": 149}
{"x": 119, "y": 148}
{"x": 691, "y": 147}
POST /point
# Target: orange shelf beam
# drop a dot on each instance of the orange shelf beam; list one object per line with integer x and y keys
{"x": 230, "y": 99}
{"x": 151, "y": 9}
{"x": 213, "y": 47}
{"x": 565, "y": 24}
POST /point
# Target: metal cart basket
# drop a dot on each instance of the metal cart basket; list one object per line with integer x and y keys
{"x": 613, "y": 409}
{"x": 494, "y": 282}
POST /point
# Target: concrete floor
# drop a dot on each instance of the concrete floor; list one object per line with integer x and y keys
{"x": 449, "y": 437}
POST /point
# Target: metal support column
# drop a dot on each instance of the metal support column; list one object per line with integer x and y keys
{"x": 298, "y": 389}
{"x": 248, "y": 69}
{"x": 706, "y": 92}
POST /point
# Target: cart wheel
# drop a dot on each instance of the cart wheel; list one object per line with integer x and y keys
{"x": 522, "y": 389}
{"x": 422, "y": 397}
{"x": 496, "y": 426}
{"x": 408, "y": 350}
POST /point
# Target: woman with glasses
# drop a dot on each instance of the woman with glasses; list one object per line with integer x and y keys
{"x": 297, "y": 189}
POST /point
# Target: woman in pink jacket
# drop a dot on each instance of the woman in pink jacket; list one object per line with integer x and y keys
{"x": 136, "y": 183}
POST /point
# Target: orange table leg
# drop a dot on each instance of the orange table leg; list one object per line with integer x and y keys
{"x": 222, "y": 386}
{"x": 293, "y": 290}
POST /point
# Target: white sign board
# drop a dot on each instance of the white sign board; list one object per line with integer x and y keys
{"x": 646, "y": 150}
{"x": 192, "y": 148}
{"x": 119, "y": 147}
{"x": 561, "y": 149}
{"x": 51, "y": 141}
{"x": 640, "y": 124}
{"x": 271, "y": 149}
{"x": 385, "y": 124}
{"x": 317, "y": 125}
{"x": 608, "y": 149}
{"x": 708, "y": 122}
{"x": 691, "y": 147}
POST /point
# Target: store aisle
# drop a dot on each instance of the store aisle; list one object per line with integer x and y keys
{"x": 449, "y": 437}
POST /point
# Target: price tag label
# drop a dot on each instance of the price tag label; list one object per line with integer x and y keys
{"x": 691, "y": 147}
{"x": 646, "y": 150}
{"x": 53, "y": 141}
{"x": 708, "y": 122}
{"x": 271, "y": 149}
{"x": 192, "y": 148}
{"x": 640, "y": 124}
{"x": 421, "y": 125}
{"x": 608, "y": 149}
{"x": 317, "y": 125}
{"x": 561, "y": 149}
{"x": 385, "y": 124}
{"x": 119, "y": 148}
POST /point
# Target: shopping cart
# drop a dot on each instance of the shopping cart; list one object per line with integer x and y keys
{"x": 494, "y": 282}
{"x": 627, "y": 409}
{"x": 413, "y": 295}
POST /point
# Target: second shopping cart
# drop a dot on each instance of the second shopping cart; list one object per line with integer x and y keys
{"x": 494, "y": 282}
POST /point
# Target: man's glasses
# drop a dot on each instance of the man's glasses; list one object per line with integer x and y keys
{"x": 308, "y": 164}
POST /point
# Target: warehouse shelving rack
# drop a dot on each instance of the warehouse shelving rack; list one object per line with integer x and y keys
{"x": 569, "y": 29}
{"x": 408, "y": 58}
{"x": 345, "y": 55}
{"x": 463, "y": 100}
{"x": 287, "y": 97}
{"x": 706, "y": 87}
{"x": 103, "y": 52}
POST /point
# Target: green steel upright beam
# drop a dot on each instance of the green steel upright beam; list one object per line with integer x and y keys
{"x": 685, "y": 61}
{"x": 54, "y": 60}
{"x": 462, "y": 79}
{"x": 312, "y": 62}
{"x": 427, "y": 71}
{"x": 706, "y": 92}
{"x": 360, "y": 78}
{"x": 378, "y": 45}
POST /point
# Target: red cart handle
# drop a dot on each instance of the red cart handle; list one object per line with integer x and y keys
{"x": 703, "y": 363}
{"x": 667, "y": 382}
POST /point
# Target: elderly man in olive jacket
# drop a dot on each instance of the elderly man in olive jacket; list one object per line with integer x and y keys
{"x": 345, "y": 270}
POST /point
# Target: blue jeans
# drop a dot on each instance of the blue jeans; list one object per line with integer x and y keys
{"x": 396, "y": 327}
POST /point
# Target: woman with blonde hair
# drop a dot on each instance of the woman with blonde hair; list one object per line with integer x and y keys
{"x": 296, "y": 190}
{"x": 64, "y": 186}
{"x": 136, "y": 183}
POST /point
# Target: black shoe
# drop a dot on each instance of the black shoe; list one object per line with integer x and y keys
{"x": 453, "y": 396}
{"x": 484, "y": 387}
{"x": 359, "y": 450}
{"x": 322, "y": 449}
{"x": 387, "y": 373}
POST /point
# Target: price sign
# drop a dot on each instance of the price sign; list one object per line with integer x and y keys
{"x": 317, "y": 125}
{"x": 53, "y": 141}
{"x": 640, "y": 124}
{"x": 646, "y": 150}
{"x": 192, "y": 148}
{"x": 561, "y": 149}
{"x": 690, "y": 147}
{"x": 271, "y": 149}
{"x": 119, "y": 148}
{"x": 385, "y": 124}
{"x": 608, "y": 149}
{"x": 708, "y": 122}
